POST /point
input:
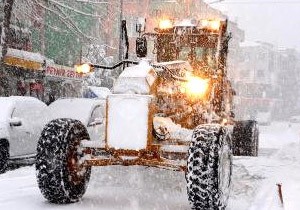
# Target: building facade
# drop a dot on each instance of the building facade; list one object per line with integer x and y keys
{"x": 266, "y": 78}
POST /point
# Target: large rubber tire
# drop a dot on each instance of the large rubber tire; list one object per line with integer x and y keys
{"x": 245, "y": 138}
{"x": 61, "y": 176}
{"x": 209, "y": 168}
{"x": 4, "y": 155}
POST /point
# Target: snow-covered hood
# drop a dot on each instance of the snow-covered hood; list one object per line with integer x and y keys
{"x": 74, "y": 108}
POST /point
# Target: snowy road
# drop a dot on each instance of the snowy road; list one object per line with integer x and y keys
{"x": 116, "y": 187}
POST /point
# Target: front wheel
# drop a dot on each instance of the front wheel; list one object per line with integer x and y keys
{"x": 209, "y": 168}
{"x": 62, "y": 177}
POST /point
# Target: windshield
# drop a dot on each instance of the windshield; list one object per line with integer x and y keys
{"x": 199, "y": 56}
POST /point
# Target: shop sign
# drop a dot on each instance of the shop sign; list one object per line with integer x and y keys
{"x": 62, "y": 71}
{"x": 23, "y": 63}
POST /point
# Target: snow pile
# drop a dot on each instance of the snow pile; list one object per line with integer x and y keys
{"x": 255, "y": 179}
{"x": 136, "y": 79}
{"x": 281, "y": 168}
{"x": 175, "y": 131}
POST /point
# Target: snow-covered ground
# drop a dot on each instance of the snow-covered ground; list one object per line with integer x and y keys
{"x": 117, "y": 187}
{"x": 255, "y": 179}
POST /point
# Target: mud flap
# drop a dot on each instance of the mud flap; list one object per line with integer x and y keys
{"x": 245, "y": 138}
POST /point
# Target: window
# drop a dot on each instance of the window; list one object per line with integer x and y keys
{"x": 96, "y": 114}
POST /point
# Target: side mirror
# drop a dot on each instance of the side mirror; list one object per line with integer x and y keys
{"x": 97, "y": 121}
{"x": 15, "y": 121}
{"x": 141, "y": 47}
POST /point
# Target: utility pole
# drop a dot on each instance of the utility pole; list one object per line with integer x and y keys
{"x": 8, "y": 5}
{"x": 7, "y": 11}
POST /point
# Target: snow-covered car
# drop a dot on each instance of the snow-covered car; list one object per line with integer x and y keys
{"x": 20, "y": 127}
{"x": 90, "y": 112}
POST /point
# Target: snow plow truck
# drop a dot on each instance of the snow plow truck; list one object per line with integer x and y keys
{"x": 174, "y": 114}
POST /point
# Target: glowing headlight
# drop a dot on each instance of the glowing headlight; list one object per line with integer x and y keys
{"x": 215, "y": 24}
{"x": 211, "y": 24}
{"x": 165, "y": 24}
{"x": 196, "y": 86}
{"x": 84, "y": 68}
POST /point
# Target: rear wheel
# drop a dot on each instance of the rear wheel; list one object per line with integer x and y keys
{"x": 61, "y": 175}
{"x": 245, "y": 138}
{"x": 209, "y": 168}
{"x": 4, "y": 155}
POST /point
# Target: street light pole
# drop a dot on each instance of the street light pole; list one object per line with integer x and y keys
{"x": 121, "y": 32}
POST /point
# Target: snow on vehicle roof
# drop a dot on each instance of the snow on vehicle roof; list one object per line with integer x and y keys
{"x": 74, "y": 108}
{"x": 140, "y": 70}
{"x": 17, "y": 99}
{"x": 22, "y": 98}
{"x": 8, "y": 103}
{"x": 6, "y": 107}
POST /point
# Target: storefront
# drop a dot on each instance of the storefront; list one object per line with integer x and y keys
{"x": 28, "y": 74}
{"x": 24, "y": 74}
{"x": 61, "y": 81}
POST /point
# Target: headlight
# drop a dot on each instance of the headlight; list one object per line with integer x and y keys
{"x": 165, "y": 24}
{"x": 196, "y": 87}
{"x": 211, "y": 24}
{"x": 84, "y": 68}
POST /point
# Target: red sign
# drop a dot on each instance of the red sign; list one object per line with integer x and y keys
{"x": 61, "y": 71}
